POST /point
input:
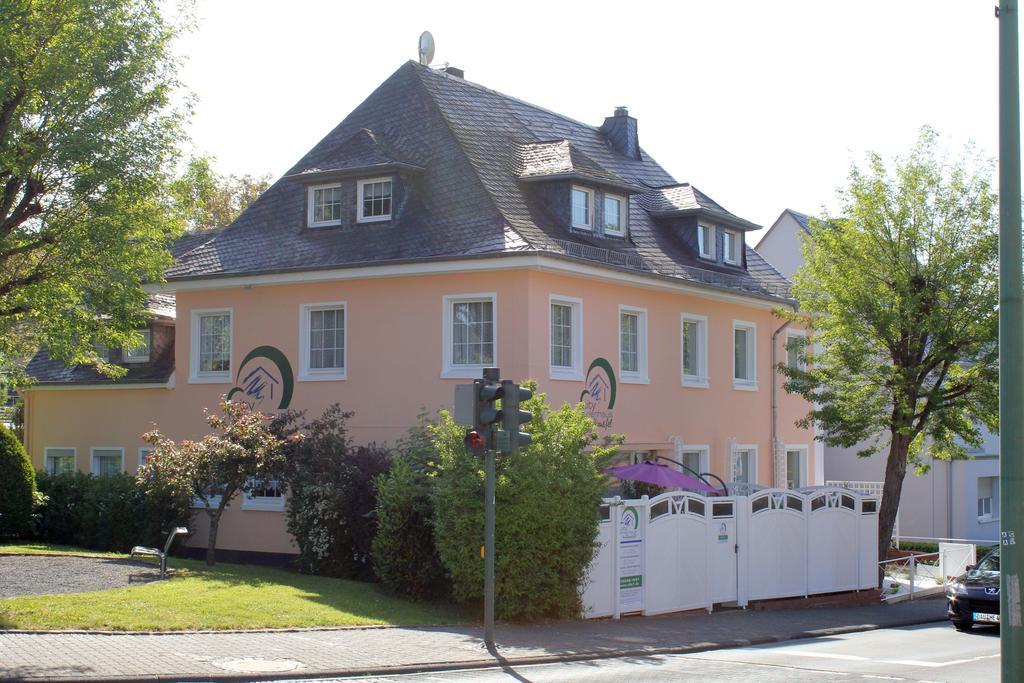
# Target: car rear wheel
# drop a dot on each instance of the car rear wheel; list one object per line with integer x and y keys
{"x": 963, "y": 625}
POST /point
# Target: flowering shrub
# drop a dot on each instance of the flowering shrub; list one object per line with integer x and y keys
{"x": 237, "y": 457}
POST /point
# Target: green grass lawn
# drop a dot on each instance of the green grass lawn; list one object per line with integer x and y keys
{"x": 223, "y": 597}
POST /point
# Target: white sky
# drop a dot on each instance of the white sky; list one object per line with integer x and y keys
{"x": 762, "y": 105}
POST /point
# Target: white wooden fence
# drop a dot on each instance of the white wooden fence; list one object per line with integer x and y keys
{"x": 680, "y": 551}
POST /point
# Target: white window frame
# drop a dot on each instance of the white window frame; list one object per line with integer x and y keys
{"x": 450, "y": 370}
{"x": 752, "y": 481}
{"x": 311, "y": 209}
{"x": 751, "y": 328}
{"x": 575, "y": 371}
{"x": 790, "y": 335}
{"x": 590, "y": 208}
{"x": 263, "y": 503}
{"x": 737, "y": 241}
{"x": 306, "y": 373}
{"x": 197, "y": 502}
{"x": 705, "y": 250}
{"x": 360, "y": 185}
{"x": 47, "y": 455}
{"x": 700, "y": 380}
{"x": 804, "y": 462}
{"x": 705, "y": 456}
{"x": 126, "y": 355}
{"x": 221, "y": 376}
{"x": 143, "y": 450}
{"x": 622, "y": 214}
{"x": 92, "y": 457}
{"x": 640, "y": 375}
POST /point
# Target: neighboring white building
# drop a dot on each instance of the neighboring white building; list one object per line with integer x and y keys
{"x": 957, "y": 499}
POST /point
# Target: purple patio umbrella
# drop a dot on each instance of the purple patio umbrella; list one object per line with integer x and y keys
{"x": 661, "y": 475}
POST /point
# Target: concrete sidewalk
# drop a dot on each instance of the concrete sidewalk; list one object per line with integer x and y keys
{"x": 341, "y": 652}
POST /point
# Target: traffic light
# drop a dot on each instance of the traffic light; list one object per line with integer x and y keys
{"x": 512, "y": 417}
{"x": 485, "y": 411}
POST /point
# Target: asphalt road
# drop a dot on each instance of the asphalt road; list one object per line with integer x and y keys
{"x": 931, "y": 653}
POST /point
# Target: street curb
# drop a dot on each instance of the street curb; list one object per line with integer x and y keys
{"x": 498, "y": 661}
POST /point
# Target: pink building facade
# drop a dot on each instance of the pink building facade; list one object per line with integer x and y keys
{"x": 400, "y": 257}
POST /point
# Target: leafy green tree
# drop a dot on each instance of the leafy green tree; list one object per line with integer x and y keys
{"x": 88, "y": 139}
{"x": 902, "y": 291}
{"x": 17, "y": 487}
{"x": 209, "y": 200}
{"x": 239, "y": 456}
{"x": 548, "y": 500}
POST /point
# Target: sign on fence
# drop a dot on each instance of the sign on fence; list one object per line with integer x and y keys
{"x": 631, "y": 561}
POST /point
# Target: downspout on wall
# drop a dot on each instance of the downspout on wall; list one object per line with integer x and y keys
{"x": 778, "y": 467}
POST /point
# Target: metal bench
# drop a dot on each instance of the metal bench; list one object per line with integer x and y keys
{"x": 153, "y": 552}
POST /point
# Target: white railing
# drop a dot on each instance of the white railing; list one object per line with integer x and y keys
{"x": 905, "y": 577}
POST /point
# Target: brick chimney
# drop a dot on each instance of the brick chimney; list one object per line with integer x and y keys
{"x": 620, "y": 130}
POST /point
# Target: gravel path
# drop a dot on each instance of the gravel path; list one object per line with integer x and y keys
{"x": 50, "y": 574}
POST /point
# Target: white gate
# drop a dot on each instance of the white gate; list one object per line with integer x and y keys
{"x": 681, "y": 551}
{"x": 776, "y": 553}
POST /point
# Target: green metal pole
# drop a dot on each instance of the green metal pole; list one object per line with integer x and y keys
{"x": 1011, "y": 348}
{"x": 489, "y": 548}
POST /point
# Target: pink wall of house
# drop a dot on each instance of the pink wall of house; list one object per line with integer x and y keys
{"x": 394, "y": 367}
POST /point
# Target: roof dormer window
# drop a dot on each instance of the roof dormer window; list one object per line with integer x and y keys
{"x": 614, "y": 218}
{"x": 582, "y": 208}
{"x": 374, "y": 197}
{"x": 324, "y": 205}
{"x": 731, "y": 247}
{"x": 705, "y": 241}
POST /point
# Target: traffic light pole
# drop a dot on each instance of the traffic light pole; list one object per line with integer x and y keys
{"x": 489, "y": 548}
{"x": 1011, "y": 348}
{"x": 490, "y": 375}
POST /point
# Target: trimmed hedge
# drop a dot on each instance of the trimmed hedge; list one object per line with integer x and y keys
{"x": 112, "y": 512}
{"x": 405, "y": 558}
{"x": 17, "y": 487}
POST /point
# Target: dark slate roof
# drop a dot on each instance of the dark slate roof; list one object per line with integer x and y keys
{"x": 157, "y": 370}
{"x": 364, "y": 152}
{"x": 685, "y": 199}
{"x": 558, "y": 159}
{"x": 470, "y": 200}
{"x": 801, "y": 218}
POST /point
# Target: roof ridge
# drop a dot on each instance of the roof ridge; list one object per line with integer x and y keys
{"x": 510, "y": 97}
{"x": 462, "y": 150}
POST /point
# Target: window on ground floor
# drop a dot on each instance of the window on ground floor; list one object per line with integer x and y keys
{"x": 796, "y": 466}
{"x": 59, "y": 461}
{"x": 107, "y": 461}
{"x": 264, "y": 495}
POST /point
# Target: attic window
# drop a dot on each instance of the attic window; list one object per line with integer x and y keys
{"x": 613, "y": 215}
{"x": 139, "y": 354}
{"x": 374, "y": 200}
{"x": 731, "y": 247}
{"x": 324, "y": 205}
{"x": 706, "y": 241}
{"x": 582, "y": 208}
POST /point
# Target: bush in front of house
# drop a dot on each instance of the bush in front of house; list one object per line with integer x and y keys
{"x": 548, "y": 501}
{"x": 112, "y": 512}
{"x": 405, "y": 558}
{"x": 331, "y": 496}
{"x": 17, "y": 487}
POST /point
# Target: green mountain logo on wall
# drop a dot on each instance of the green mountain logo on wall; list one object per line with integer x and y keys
{"x": 264, "y": 380}
{"x": 599, "y": 395}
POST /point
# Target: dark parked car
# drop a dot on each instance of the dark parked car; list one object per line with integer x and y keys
{"x": 974, "y": 597}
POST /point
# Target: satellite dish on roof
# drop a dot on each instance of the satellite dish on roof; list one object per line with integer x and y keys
{"x": 426, "y": 48}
